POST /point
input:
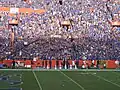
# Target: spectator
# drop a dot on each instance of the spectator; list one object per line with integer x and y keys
{"x": 90, "y": 30}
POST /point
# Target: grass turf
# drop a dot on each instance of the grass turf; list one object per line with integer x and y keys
{"x": 61, "y": 80}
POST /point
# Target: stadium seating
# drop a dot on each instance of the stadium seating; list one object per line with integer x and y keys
{"x": 60, "y": 29}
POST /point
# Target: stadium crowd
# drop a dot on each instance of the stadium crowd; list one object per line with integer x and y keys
{"x": 90, "y": 35}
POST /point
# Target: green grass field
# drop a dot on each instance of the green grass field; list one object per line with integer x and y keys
{"x": 59, "y": 80}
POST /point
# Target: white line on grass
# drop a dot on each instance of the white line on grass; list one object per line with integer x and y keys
{"x": 106, "y": 80}
{"x": 40, "y": 87}
{"x": 73, "y": 80}
{"x": 116, "y": 73}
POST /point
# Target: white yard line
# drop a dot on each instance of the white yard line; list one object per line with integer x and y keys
{"x": 40, "y": 87}
{"x": 118, "y": 74}
{"x": 72, "y": 80}
{"x": 106, "y": 80}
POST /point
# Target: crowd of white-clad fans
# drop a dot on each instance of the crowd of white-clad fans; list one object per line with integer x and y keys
{"x": 90, "y": 35}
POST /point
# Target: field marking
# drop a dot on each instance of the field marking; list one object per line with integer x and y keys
{"x": 8, "y": 89}
{"x": 72, "y": 80}
{"x": 116, "y": 73}
{"x": 17, "y": 84}
{"x": 106, "y": 80}
{"x": 40, "y": 87}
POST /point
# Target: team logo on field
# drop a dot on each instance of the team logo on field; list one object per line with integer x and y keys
{"x": 11, "y": 80}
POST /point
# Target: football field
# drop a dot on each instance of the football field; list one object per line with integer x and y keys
{"x": 59, "y": 80}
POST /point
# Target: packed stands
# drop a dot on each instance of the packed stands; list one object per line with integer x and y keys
{"x": 66, "y": 29}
